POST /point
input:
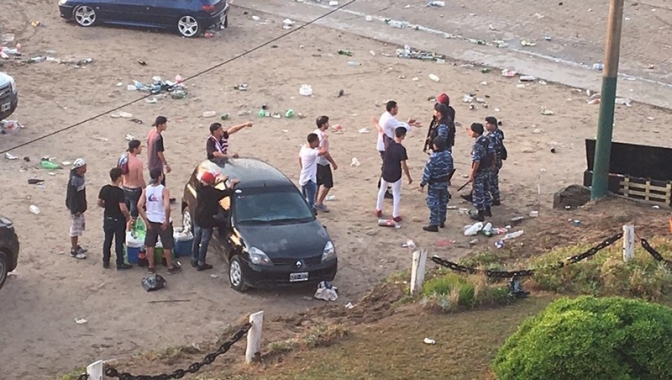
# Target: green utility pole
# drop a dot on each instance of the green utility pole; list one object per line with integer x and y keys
{"x": 605, "y": 124}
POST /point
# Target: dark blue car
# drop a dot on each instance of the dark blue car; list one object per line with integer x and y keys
{"x": 267, "y": 231}
{"x": 189, "y": 17}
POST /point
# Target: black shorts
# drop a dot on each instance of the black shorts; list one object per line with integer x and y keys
{"x": 154, "y": 231}
{"x": 324, "y": 176}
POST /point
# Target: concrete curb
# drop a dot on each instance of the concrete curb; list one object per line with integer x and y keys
{"x": 552, "y": 70}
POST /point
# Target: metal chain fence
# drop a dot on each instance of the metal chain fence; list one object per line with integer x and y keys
{"x": 529, "y": 272}
{"x": 112, "y": 372}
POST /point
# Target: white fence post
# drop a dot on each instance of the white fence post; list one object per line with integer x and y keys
{"x": 628, "y": 242}
{"x": 254, "y": 337}
{"x": 95, "y": 370}
{"x": 418, "y": 271}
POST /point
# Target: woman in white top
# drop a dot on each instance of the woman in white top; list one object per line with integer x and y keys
{"x": 154, "y": 207}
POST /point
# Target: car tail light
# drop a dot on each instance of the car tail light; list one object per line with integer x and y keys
{"x": 209, "y": 8}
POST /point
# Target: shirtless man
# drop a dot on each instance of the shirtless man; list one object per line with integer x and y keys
{"x": 133, "y": 180}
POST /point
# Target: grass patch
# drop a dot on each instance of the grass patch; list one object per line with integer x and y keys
{"x": 73, "y": 375}
{"x": 606, "y": 274}
{"x": 452, "y": 292}
{"x": 319, "y": 336}
{"x": 393, "y": 348}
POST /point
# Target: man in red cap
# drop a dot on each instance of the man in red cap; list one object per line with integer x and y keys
{"x": 207, "y": 207}
{"x": 445, "y": 100}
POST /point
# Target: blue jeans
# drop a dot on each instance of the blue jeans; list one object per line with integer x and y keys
{"x": 309, "y": 191}
{"x": 199, "y": 249}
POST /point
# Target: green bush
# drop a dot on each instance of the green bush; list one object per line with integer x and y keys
{"x": 450, "y": 292}
{"x": 605, "y": 274}
{"x": 485, "y": 260}
{"x": 590, "y": 338}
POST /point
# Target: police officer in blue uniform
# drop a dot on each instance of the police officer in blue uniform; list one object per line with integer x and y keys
{"x": 496, "y": 137}
{"x": 482, "y": 158}
{"x": 436, "y": 177}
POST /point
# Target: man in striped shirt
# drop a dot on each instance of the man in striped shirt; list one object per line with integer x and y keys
{"x": 217, "y": 145}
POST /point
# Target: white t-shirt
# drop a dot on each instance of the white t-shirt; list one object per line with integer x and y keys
{"x": 388, "y": 123}
{"x": 321, "y": 160}
{"x": 308, "y": 165}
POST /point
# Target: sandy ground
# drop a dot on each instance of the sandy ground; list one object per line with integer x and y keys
{"x": 38, "y": 306}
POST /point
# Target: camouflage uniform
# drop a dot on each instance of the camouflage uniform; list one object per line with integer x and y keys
{"x": 436, "y": 176}
{"x": 481, "y": 192}
{"x": 496, "y": 138}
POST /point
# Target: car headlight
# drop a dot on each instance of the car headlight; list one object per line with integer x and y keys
{"x": 12, "y": 83}
{"x": 61, "y": 2}
{"x": 258, "y": 257}
{"x": 329, "y": 251}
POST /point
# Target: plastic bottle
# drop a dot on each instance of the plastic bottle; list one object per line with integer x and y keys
{"x": 345, "y": 52}
{"x": 487, "y": 230}
{"x": 353, "y": 63}
{"x": 289, "y": 114}
{"x": 512, "y": 235}
{"x": 37, "y": 59}
{"x": 473, "y": 229}
{"x": 34, "y": 209}
{"x": 49, "y": 165}
{"x": 209, "y": 113}
{"x": 262, "y": 113}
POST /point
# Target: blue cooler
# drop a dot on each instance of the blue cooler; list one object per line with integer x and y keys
{"x": 183, "y": 242}
{"x": 133, "y": 248}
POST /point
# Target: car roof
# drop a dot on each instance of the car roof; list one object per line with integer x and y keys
{"x": 252, "y": 172}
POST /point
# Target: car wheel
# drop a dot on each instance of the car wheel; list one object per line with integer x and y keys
{"x": 187, "y": 222}
{"x": 188, "y": 26}
{"x": 85, "y": 16}
{"x": 4, "y": 267}
{"x": 236, "y": 274}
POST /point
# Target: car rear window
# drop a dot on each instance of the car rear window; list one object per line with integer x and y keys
{"x": 288, "y": 206}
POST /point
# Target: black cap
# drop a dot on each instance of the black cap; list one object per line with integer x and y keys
{"x": 160, "y": 120}
{"x": 440, "y": 143}
{"x": 214, "y": 127}
{"x": 155, "y": 173}
{"x": 133, "y": 144}
{"x": 491, "y": 119}
{"x": 478, "y": 128}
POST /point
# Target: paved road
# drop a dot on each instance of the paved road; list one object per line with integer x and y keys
{"x": 576, "y": 28}
{"x": 567, "y": 58}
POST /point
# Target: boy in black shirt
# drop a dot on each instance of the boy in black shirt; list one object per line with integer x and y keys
{"x": 207, "y": 207}
{"x": 115, "y": 217}
{"x": 393, "y": 163}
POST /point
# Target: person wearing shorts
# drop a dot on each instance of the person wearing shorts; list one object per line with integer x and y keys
{"x": 325, "y": 179}
{"x": 154, "y": 208}
{"x": 75, "y": 201}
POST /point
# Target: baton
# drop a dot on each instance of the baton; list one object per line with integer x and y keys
{"x": 463, "y": 186}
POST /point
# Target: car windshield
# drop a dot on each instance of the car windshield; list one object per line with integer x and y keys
{"x": 276, "y": 207}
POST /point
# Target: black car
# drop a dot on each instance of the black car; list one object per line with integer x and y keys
{"x": 188, "y": 17}
{"x": 9, "y": 249}
{"x": 9, "y": 96}
{"x": 269, "y": 233}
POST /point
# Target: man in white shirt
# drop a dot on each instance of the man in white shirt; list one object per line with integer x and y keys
{"x": 386, "y": 125}
{"x": 325, "y": 179}
{"x": 308, "y": 156}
